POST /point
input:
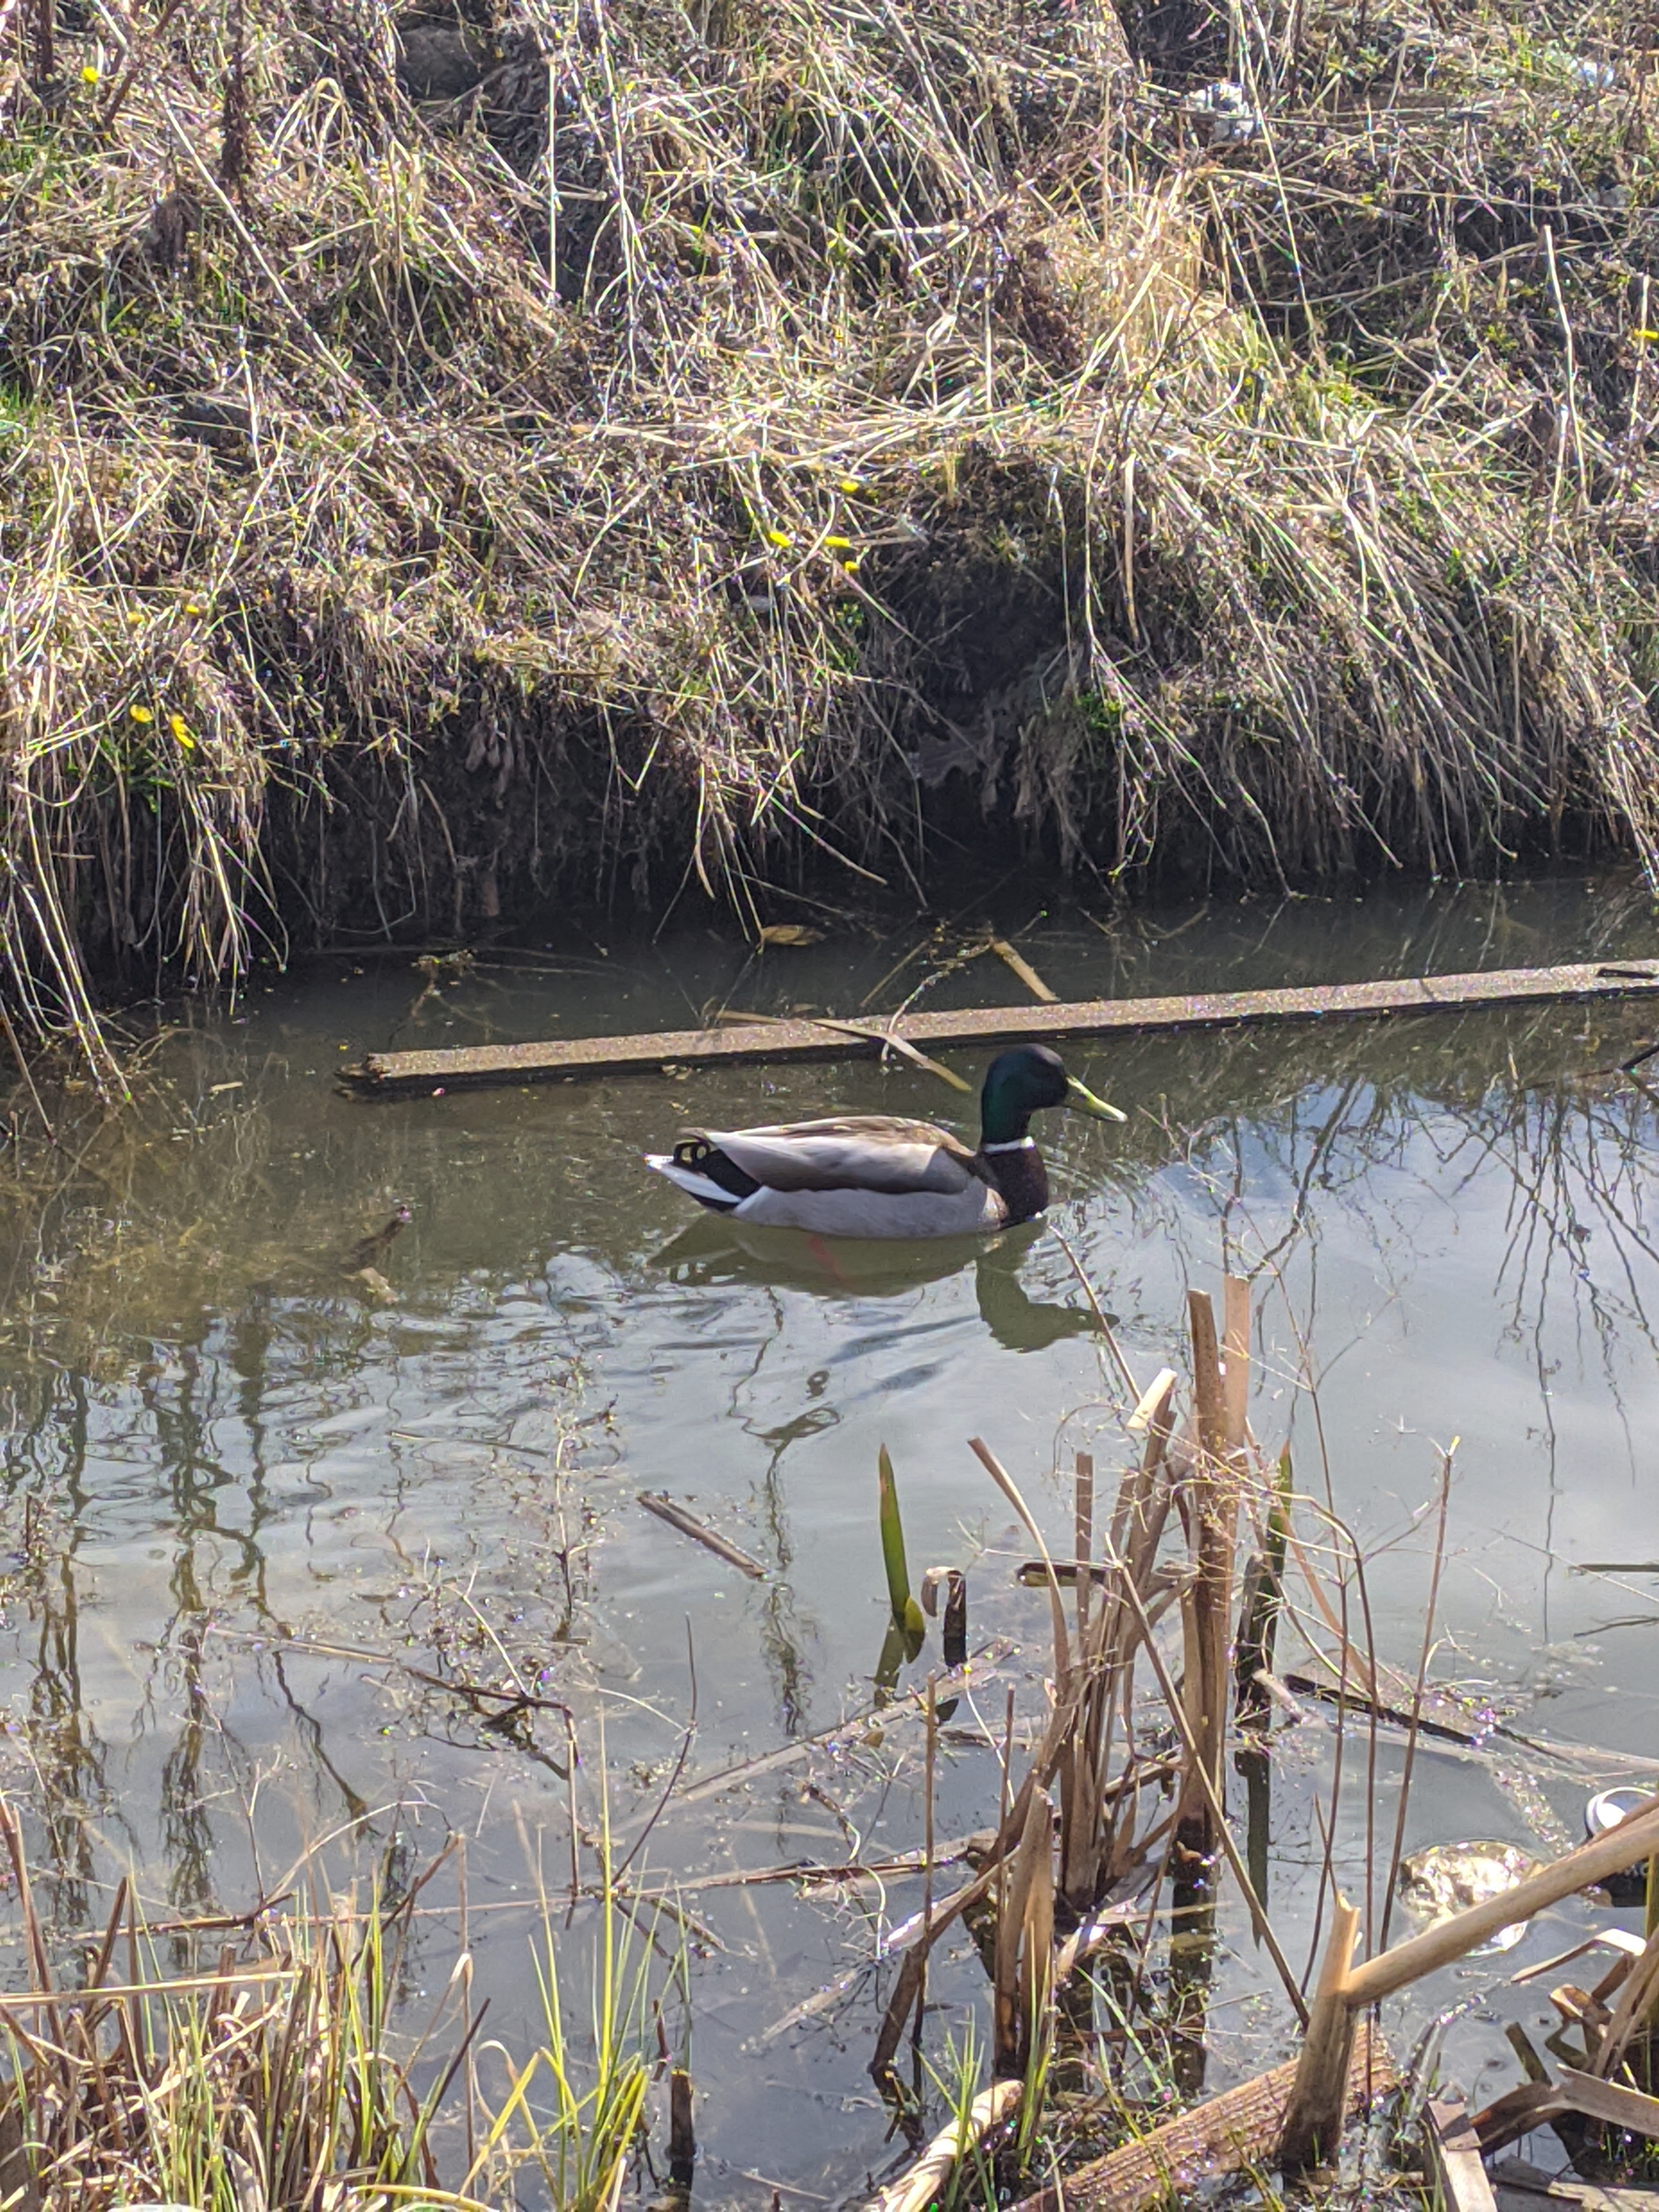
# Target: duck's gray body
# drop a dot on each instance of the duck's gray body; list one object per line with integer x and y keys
{"x": 873, "y": 1175}
{"x": 861, "y": 1176}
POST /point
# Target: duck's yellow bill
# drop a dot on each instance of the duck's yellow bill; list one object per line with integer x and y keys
{"x": 1081, "y": 1095}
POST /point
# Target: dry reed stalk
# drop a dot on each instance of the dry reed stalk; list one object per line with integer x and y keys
{"x": 1344, "y": 1990}
{"x": 1261, "y": 1599}
{"x": 1024, "y": 1940}
{"x": 1208, "y": 1605}
{"x": 851, "y": 370}
{"x": 924, "y": 2184}
{"x": 1314, "y": 2115}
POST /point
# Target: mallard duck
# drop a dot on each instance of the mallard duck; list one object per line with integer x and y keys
{"x": 873, "y": 1175}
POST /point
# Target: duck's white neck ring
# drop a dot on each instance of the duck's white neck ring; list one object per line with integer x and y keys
{"x": 1013, "y": 1144}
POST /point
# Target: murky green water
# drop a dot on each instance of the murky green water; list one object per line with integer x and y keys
{"x": 240, "y": 1491}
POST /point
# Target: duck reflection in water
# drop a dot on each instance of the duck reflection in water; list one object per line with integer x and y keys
{"x": 721, "y": 1250}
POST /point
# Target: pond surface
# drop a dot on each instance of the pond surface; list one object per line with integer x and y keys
{"x": 259, "y": 1515}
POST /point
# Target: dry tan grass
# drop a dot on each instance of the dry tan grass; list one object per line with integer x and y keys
{"x": 836, "y": 429}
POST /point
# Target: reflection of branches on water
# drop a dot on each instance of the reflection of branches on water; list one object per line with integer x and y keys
{"x": 186, "y": 1829}
{"x": 783, "y": 1633}
{"x": 1337, "y": 1114}
{"x": 310, "y": 1731}
{"x": 45, "y": 1459}
{"x": 1568, "y": 1155}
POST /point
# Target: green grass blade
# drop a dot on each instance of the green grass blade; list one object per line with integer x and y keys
{"x": 906, "y": 1611}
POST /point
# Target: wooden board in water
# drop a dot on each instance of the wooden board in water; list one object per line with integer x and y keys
{"x": 1239, "y": 2129}
{"x": 393, "y": 1074}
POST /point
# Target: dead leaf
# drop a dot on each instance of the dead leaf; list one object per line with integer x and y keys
{"x": 790, "y": 933}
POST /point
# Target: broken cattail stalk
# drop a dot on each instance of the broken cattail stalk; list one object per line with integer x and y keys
{"x": 924, "y": 2184}
{"x": 1155, "y": 1394}
{"x": 1259, "y": 1923}
{"x": 1033, "y": 1574}
{"x": 682, "y": 2135}
{"x": 1314, "y": 2119}
{"x": 1235, "y": 1348}
{"x": 1083, "y": 1530}
{"x": 1037, "y": 1949}
{"x": 1315, "y": 2115}
{"x": 953, "y": 1634}
{"x": 1455, "y": 2157}
{"x": 1207, "y": 1608}
{"x": 1033, "y": 1862}
{"x": 1261, "y": 1603}
{"x": 1636, "y": 1835}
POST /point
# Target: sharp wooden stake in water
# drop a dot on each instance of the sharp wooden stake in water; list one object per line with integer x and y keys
{"x": 1207, "y": 1609}
{"x": 682, "y": 2137}
{"x": 1260, "y": 1603}
{"x": 1085, "y": 1519}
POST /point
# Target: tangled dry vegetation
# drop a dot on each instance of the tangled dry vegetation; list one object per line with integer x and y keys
{"x": 449, "y": 460}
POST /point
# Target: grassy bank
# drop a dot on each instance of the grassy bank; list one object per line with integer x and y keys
{"x": 618, "y": 452}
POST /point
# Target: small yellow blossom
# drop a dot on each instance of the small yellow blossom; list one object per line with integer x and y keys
{"x": 851, "y": 484}
{"x": 134, "y": 617}
{"x": 1646, "y": 337}
{"x": 141, "y": 714}
{"x": 850, "y": 567}
{"x": 176, "y": 724}
{"x": 191, "y": 607}
{"x": 780, "y": 538}
{"x": 90, "y": 74}
{"x": 840, "y": 545}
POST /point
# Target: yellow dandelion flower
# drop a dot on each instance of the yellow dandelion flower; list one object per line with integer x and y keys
{"x": 134, "y": 617}
{"x": 1647, "y": 338}
{"x": 839, "y": 544}
{"x": 780, "y": 538}
{"x": 90, "y": 74}
{"x": 176, "y": 723}
{"x": 851, "y": 484}
{"x": 851, "y": 568}
{"x": 141, "y": 714}
{"x": 191, "y": 607}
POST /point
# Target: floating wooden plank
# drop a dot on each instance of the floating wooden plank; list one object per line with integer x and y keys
{"x": 394, "y": 1074}
{"x": 1236, "y": 2130}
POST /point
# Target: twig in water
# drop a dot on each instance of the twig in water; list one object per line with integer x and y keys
{"x": 1022, "y": 968}
{"x": 670, "y": 1786}
{"x": 677, "y": 1517}
{"x": 1103, "y": 1320}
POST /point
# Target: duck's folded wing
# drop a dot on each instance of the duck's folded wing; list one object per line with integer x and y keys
{"x": 858, "y": 1153}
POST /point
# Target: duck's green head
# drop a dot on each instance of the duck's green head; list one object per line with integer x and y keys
{"x": 1020, "y": 1082}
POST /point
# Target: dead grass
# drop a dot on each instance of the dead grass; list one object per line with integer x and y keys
{"x": 811, "y": 437}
